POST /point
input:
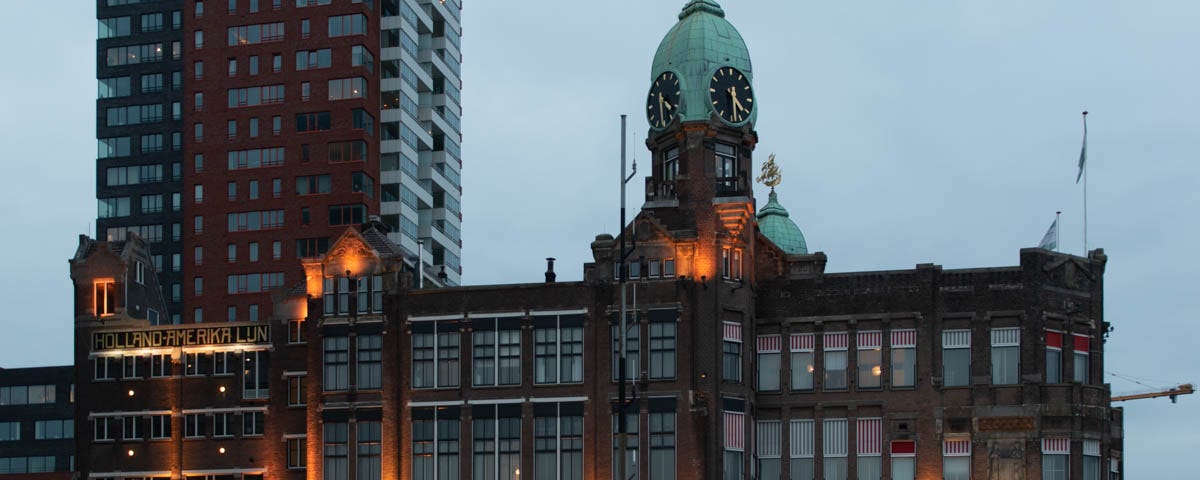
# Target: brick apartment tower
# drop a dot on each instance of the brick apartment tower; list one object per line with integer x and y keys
{"x": 236, "y": 136}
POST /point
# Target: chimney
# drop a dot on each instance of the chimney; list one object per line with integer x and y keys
{"x": 550, "y": 276}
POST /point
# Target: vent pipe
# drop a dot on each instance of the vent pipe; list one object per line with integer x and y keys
{"x": 550, "y": 276}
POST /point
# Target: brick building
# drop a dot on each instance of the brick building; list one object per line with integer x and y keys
{"x": 744, "y": 357}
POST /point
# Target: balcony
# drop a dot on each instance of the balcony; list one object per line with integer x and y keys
{"x": 659, "y": 190}
{"x": 731, "y": 186}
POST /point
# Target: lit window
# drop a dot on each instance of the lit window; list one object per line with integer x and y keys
{"x": 105, "y": 299}
{"x": 870, "y": 359}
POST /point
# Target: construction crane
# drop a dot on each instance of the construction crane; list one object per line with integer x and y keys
{"x": 1174, "y": 393}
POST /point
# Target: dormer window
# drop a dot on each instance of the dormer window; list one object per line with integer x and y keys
{"x": 139, "y": 272}
{"x": 105, "y": 298}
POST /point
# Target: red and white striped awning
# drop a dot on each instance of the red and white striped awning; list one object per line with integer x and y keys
{"x": 1054, "y": 339}
{"x": 871, "y": 340}
{"x": 802, "y": 342}
{"x": 956, "y": 447}
{"x": 769, "y": 343}
{"x": 870, "y": 436}
{"x": 731, "y": 332}
{"x": 1056, "y": 446}
{"x": 904, "y": 448}
{"x": 1081, "y": 343}
{"x": 904, "y": 338}
{"x": 735, "y": 431}
{"x": 1006, "y": 337}
{"x": 956, "y": 339}
{"x": 837, "y": 341}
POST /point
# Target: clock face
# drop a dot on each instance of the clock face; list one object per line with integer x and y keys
{"x": 730, "y": 94}
{"x": 664, "y": 100}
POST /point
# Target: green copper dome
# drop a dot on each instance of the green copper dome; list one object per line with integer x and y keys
{"x": 774, "y": 224}
{"x": 700, "y": 43}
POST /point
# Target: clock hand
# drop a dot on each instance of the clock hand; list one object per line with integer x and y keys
{"x": 661, "y": 119}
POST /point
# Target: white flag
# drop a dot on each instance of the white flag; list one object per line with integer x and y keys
{"x": 1050, "y": 240}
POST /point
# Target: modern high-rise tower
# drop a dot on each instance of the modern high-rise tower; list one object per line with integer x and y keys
{"x": 238, "y": 135}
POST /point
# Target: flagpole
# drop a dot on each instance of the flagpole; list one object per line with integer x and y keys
{"x": 1083, "y": 165}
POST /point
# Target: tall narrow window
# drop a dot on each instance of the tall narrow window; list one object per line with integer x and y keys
{"x": 662, "y": 343}
{"x": 337, "y": 363}
{"x": 768, "y": 449}
{"x": 802, "y": 361}
{"x": 255, "y": 375}
{"x": 423, "y": 358}
{"x": 558, "y": 441}
{"x": 1054, "y": 360}
{"x": 956, "y": 459}
{"x": 370, "y": 362}
{"x": 671, "y": 166}
{"x": 447, "y": 354}
{"x": 801, "y": 449}
{"x": 1081, "y": 344}
{"x": 662, "y": 438}
{"x": 105, "y": 298}
{"x": 904, "y": 456}
{"x": 734, "y": 444}
{"x": 509, "y": 344}
{"x": 1006, "y": 354}
{"x": 904, "y": 358}
{"x": 337, "y": 451}
{"x": 835, "y": 346}
{"x": 632, "y": 347}
{"x": 870, "y": 448}
{"x": 726, "y": 170}
{"x": 956, "y": 358}
{"x": 483, "y": 365}
{"x": 732, "y": 352}
{"x": 870, "y": 359}
{"x": 369, "y": 450}
{"x": 631, "y": 446}
{"x": 1091, "y": 460}
{"x": 558, "y": 348}
{"x": 768, "y": 354}
{"x": 1056, "y": 458}
{"x": 833, "y": 439}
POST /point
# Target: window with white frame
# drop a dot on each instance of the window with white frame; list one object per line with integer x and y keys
{"x": 131, "y": 428}
{"x": 768, "y": 353}
{"x": 1006, "y": 356}
{"x": 223, "y": 363}
{"x": 435, "y": 354}
{"x": 904, "y": 358}
{"x": 801, "y": 357}
{"x": 1056, "y": 458}
{"x": 767, "y": 449}
{"x": 295, "y": 388}
{"x": 367, "y": 292}
{"x": 130, "y": 366}
{"x": 160, "y": 427}
{"x": 558, "y": 441}
{"x": 194, "y": 364}
{"x": 194, "y": 425}
{"x": 1081, "y": 344}
{"x": 496, "y": 347}
{"x": 296, "y": 333}
{"x": 297, "y": 451}
{"x": 870, "y": 448}
{"x": 1091, "y": 460}
{"x": 1054, "y": 356}
{"x": 870, "y": 359}
{"x": 256, "y": 382}
{"x": 558, "y": 348}
{"x": 801, "y": 451}
{"x": 956, "y": 459}
{"x": 835, "y": 347}
{"x": 252, "y": 424}
{"x": 160, "y": 365}
{"x": 904, "y": 460}
{"x": 835, "y": 448}
{"x": 104, "y": 368}
{"x": 632, "y": 347}
{"x": 102, "y": 428}
{"x": 496, "y": 441}
{"x": 662, "y": 438}
{"x": 224, "y": 424}
{"x": 337, "y": 363}
{"x": 731, "y": 352}
{"x": 956, "y": 358}
{"x": 731, "y": 263}
{"x": 734, "y": 430}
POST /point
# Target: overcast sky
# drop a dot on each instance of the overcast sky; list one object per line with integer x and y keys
{"x": 908, "y": 132}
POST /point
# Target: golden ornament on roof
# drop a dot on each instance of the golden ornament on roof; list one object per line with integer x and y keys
{"x": 771, "y": 174}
